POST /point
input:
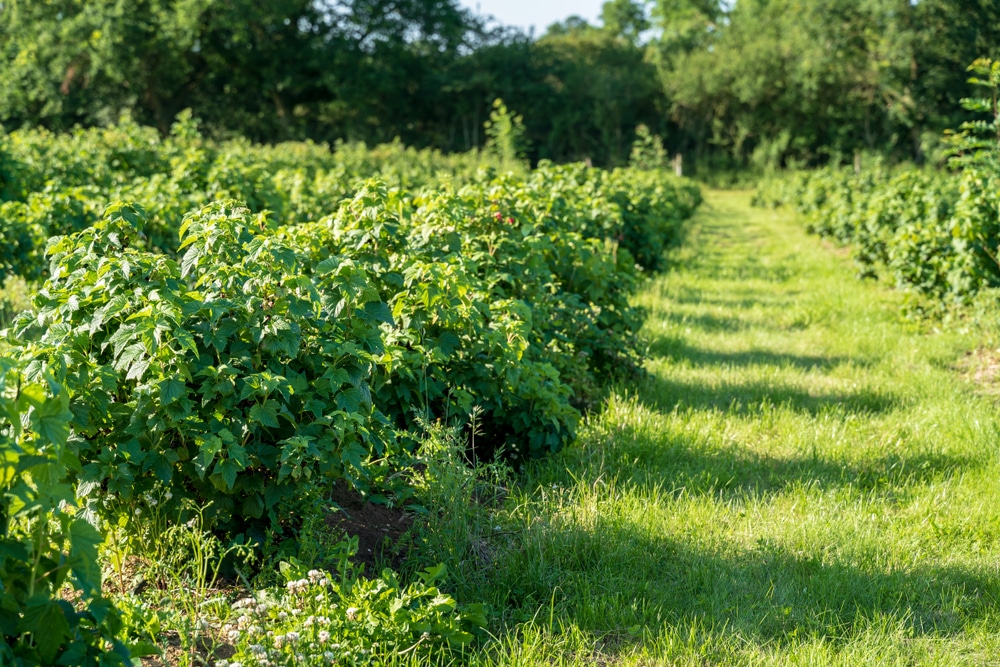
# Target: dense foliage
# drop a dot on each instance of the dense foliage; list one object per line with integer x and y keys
{"x": 259, "y": 324}
{"x": 727, "y": 83}
{"x": 45, "y": 545}
{"x": 935, "y": 233}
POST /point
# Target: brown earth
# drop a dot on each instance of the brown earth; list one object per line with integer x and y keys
{"x": 380, "y": 529}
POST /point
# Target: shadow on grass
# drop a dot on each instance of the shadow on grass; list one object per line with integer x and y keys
{"x": 762, "y": 594}
{"x": 624, "y": 578}
{"x": 744, "y": 397}
{"x": 667, "y": 462}
{"x": 678, "y": 349}
{"x": 718, "y": 323}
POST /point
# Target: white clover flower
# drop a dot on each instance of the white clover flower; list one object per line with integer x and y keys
{"x": 257, "y": 649}
{"x": 292, "y": 637}
{"x": 324, "y": 582}
{"x": 315, "y": 575}
{"x": 282, "y": 615}
{"x": 352, "y": 613}
{"x": 324, "y": 636}
{"x": 330, "y": 656}
{"x": 319, "y": 598}
{"x": 279, "y": 641}
{"x": 309, "y": 621}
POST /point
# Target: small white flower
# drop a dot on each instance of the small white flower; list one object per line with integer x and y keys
{"x": 282, "y": 615}
{"x": 352, "y": 613}
{"x": 324, "y": 636}
{"x": 292, "y": 637}
{"x": 315, "y": 575}
{"x": 329, "y": 656}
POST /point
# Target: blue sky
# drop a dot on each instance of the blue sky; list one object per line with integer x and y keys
{"x": 537, "y": 13}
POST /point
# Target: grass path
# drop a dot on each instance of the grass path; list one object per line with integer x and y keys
{"x": 804, "y": 480}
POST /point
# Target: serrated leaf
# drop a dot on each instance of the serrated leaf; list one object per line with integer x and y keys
{"x": 379, "y": 311}
{"x": 171, "y": 389}
{"x": 265, "y": 413}
{"x": 85, "y": 541}
{"x": 350, "y": 399}
{"x": 46, "y": 620}
{"x": 51, "y": 420}
{"x": 226, "y": 470}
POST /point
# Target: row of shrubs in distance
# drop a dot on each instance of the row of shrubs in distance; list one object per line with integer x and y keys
{"x": 261, "y": 358}
{"x": 936, "y": 233}
{"x": 59, "y": 184}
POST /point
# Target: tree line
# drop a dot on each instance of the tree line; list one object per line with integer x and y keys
{"x": 729, "y": 84}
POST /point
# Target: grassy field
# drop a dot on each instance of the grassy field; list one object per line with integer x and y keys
{"x": 804, "y": 479}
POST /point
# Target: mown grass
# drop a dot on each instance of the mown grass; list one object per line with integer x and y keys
{"x": 804, "y": 479}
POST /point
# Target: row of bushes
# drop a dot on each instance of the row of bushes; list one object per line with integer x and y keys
{"x": 934, "y": 233}
{"x": 259, "y": 354}
{"x": 59, "y": 184}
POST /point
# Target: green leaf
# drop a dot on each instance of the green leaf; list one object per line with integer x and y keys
{"x": 51, "y": 420}
{"x": 350, "y": 400}
{"x": 265, "y": 413}
{"x": 207, "y": 450}
{"x": 226, "y": 471}
{"x": 170, "y": 390}
{"x": 448, "y": 343}
{"x": 46, "y": 620}
{"x": 85, "y": 541}
{"x": 379, "y": 311}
